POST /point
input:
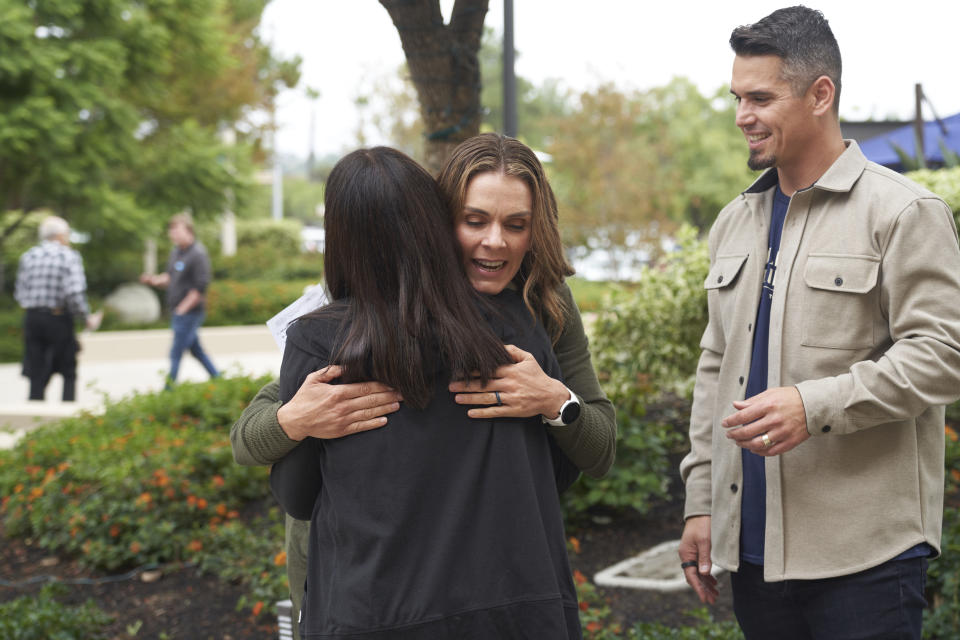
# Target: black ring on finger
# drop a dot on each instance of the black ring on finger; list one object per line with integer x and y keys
{"x": 499, "y": 402}
{"x": 688, "y": 563}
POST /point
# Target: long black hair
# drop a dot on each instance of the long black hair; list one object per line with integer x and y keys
{"x": 410, "y": 311}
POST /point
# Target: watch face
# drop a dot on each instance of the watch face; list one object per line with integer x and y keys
{"x": 570, "y": 412}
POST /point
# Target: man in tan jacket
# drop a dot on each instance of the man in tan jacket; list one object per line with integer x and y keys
{"x": 816, "y": 466}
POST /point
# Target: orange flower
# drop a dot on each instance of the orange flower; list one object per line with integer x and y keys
{"x": 114, "y": 531}
{"x": 169, "y": 493}
{"x": 135, "y": 547}
{"x": 191, "y": 500}
{"x": 583, "y": 605}
{"x": 195, "y": 545}
{"x": 221, "y": 509}
{"x": 144, "y": 499}
{"x": 578, "y": 577}
{"x": 575, "y": 544}
{"x": 18, "y": 488}
{"x": 955, "y": 474}
{"x": 593, "y": 626}
{"x": 36, "y": 492}
{"x": 218, "y": 481}
{"x": 950, "y": 433}
{"x": 201, "y": 503}
{"x": 233, "y": 513}
{"x": 257, "y": 608}
{"x": 280, "y": 559}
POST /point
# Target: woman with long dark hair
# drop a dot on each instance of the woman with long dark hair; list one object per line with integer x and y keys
{"x": 440, "y": 526}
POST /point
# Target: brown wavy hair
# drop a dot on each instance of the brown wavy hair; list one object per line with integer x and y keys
{"x": 545, "y": 266}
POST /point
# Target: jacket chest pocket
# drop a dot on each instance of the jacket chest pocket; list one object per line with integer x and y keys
{"x": 722, "y": 281}
{"x": 840, "y": 301}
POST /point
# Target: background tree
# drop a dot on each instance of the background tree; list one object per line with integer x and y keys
{"x": 443, "y": 64}
{"x": 629, "y": 167}
{"x": 114, "y": 113}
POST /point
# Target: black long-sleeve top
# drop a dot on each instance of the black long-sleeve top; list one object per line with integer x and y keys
{"x": 436, "y": 525}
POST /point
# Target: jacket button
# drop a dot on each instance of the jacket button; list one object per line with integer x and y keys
{"x": 741, "y": 379}
{"x": 750, "y": 327}
{"x": 826, "y": 428}
{"x": 719, "y": 279}
{"x": 733, "y": 487}
{"x": 838, "y": 281}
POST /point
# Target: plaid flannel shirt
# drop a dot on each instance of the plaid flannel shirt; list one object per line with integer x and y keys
{"x": 50, "y": 275}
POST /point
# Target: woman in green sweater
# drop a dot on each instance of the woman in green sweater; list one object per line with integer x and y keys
{"x": 504, "y": 218}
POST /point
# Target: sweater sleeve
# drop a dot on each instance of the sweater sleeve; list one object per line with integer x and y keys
{"x": 296, "y": 480}
{"x": 257, "y": 437}
{"x": 591, "y": 440}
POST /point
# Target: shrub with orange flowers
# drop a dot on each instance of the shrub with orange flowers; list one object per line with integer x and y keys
{"x": 139, "y": 484}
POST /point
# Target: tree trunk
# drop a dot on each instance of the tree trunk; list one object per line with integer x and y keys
{"x": 444, "y": 68}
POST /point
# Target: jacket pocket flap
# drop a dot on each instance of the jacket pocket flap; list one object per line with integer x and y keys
{"x": 724, "y": 271}
{"x": 842, "y": 273}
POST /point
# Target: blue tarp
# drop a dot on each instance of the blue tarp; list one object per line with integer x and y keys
{"x": 880, "y": 150}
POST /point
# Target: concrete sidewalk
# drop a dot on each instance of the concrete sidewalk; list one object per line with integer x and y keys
{"x": 115, "y": 364}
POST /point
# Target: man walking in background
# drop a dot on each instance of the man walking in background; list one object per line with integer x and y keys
{"x": 186, "y": 280}
{"x": 817, "y": 446}
{"x": 51, "y": 287}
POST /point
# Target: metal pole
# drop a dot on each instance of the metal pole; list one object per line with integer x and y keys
{"x": 509, "y": 77}
{"x": 918, "y": 127}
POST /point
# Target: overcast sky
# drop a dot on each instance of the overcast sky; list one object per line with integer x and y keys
{"x": 887, "y": 47}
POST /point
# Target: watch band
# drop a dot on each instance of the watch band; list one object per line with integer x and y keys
{"x": 569, "y": 409}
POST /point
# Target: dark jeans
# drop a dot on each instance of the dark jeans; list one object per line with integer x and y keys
{"x": 884, "y": 602}
{"x": 185, "y": 337}
{"x": 50, "y": 346}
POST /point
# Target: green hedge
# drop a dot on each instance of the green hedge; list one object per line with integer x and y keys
{"x": 152, "y": 480}
{"x": 943, "y": 182}
{"x": 645, "y": 343}
{"x": 43, "y": 616}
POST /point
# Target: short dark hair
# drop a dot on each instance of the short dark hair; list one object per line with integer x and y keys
{"x": 802, "y": 39}
{"x": 409, "y": 310}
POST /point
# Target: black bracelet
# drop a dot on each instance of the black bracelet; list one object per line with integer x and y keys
{"x": 688, "y": 563}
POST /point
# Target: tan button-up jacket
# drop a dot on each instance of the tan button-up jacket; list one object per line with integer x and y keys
{"x": 865, "y": 323}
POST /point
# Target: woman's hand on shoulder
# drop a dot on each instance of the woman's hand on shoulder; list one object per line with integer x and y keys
{"x": 328, "y": 411}
{"x": 522, "y": 389}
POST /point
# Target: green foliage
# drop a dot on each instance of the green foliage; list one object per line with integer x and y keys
{"x": 645, "y": 345}
{"x": 705, "y": 629}
{"x": 538, "y": 107}
{"x": 941, "y": 619}
{"x": 628, "y": 167}
{"x": 152, "y": 480}
{"x": 590, "y": 295}
{"x": 943, "y": 182}
{"x": 43, "y": 616}
{"x": 231, "y": 302}
{"x": 266, "y": 250}
{"x": 111, "y": 113}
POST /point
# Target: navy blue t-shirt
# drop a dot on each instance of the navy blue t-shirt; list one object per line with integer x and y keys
{"x": 753, "y": 509}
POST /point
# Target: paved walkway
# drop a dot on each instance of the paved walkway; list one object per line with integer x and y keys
{"x": 115, "y": 364}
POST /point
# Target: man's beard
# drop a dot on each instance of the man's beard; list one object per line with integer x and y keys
{"x": 757, "y": 162}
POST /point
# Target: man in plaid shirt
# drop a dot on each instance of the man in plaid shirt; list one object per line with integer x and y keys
{"x": 51, "y": 287}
